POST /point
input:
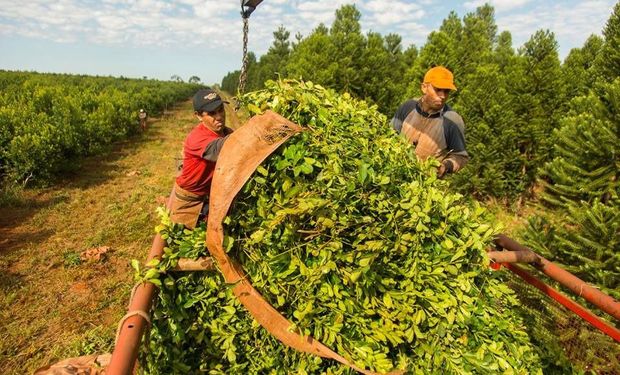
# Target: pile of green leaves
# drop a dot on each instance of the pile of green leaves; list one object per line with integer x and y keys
{"x": 357, "y": 244}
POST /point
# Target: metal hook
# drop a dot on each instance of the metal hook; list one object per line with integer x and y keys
{"x": 248, "y": 6}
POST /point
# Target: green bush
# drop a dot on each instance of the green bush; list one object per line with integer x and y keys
{"x": 49, "y": 120}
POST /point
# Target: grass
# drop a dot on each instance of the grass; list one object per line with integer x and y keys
{"x": 11, "y": 194}
{"x": 512, "y": 217}
{"x": 53, "y": 305}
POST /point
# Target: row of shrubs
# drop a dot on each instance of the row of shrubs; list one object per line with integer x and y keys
{"x": 47, "y": 121}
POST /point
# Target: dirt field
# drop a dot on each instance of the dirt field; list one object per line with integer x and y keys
{"x": 54, "y": 305}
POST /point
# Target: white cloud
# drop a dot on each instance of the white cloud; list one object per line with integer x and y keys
{"x": 572, "y": 25}
{"x": 125, "y": 22}
{"x": 413, "y": 33}
{"x": 112, "y": 22}
{"x": 62, "y": 12}
{"x": 214, "y": 8}
{"x": 322, "y": 5}
{"x": 499, "y": 5}
{"x": 390, "y": 12}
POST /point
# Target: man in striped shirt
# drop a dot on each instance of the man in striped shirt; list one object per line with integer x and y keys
{"x": 431, "y": 125}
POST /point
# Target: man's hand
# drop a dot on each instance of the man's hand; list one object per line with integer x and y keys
{"x": 441, "y": 171}
{"x": 445, "y": 167}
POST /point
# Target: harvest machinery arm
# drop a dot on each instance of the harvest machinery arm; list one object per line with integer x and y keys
{"x": 248, "y": 6}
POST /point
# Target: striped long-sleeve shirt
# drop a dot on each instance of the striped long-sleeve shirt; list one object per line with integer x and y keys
{"x": 440, "y": 134}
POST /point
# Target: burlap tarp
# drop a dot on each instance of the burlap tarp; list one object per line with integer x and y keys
{"x": 242, "y": 153}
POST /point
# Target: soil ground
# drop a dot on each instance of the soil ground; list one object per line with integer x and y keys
{"x": 53, "y": 305}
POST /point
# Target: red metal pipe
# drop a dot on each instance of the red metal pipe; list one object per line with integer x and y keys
{"x": 586, "y": 314}
{"x": 130, "y": 334}
{"x": 601, "y": 300}
{"x": 513, "y": 256}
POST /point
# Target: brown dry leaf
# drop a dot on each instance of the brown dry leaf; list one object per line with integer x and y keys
{"x": 80, "y": 287}
{"x": 94, "y": 254}
{"x": 94, "y": 364}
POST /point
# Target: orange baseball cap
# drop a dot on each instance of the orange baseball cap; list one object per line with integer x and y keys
{"x": 440, "y": 77}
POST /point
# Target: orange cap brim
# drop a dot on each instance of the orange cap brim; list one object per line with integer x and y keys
{"x": 443, "y": 84}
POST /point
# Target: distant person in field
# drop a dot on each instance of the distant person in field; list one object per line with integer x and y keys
{"x": 431, "y": 125}
{"x": 142, "y": 116}
{"x": 200, "y": 152}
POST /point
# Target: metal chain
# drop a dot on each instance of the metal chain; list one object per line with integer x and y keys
{"x": 244, "y": 68}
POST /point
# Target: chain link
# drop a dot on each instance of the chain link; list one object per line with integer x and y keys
{"x": 244, "y": 68}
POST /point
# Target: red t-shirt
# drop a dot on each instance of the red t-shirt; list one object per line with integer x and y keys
{"x": 197, "y": 172}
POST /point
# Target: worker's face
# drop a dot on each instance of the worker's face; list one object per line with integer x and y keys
{"x": 435, "y": 98}
{"x": 214, "y": 120}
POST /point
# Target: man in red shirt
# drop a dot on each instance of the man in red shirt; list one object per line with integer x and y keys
{"x": 200, "y": 151}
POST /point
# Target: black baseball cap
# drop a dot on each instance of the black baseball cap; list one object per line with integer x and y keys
{"x": 207, "y": 100}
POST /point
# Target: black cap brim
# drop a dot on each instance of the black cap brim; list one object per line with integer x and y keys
{"x": 210, "y": 107}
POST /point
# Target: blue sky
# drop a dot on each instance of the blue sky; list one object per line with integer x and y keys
{"x": 158, "y": 39}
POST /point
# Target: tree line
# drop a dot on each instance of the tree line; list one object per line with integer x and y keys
{"x": 537, "y": 128}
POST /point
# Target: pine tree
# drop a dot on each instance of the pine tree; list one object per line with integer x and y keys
{"x": 477, "y": 40}
{"x": 382, "y": 71}
{"x": 310, "y": 58}
{"x": 273, "y": 63}
{"x": 537, "y": 92}
{"x": 504, "y": 53}
{"x": 399, "y": 62}
{"x": 491, "y": 131}
{"x": 582, "y": 182}
{"x": 581, "y": 228}
{"x": 586, "y": 162}
{"x": 578, "y": 70}
{"x": 348, "y": 46}
{"x": 584, "y": 239}
{"x": 608, "y": 61}
{"x": 376, "y": 87}
{"x": 230, "y": 82}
